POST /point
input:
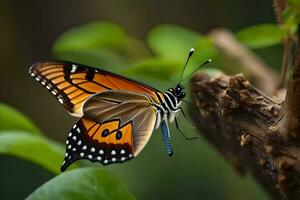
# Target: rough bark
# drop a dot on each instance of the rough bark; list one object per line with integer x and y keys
{"x": 254, "y": 132}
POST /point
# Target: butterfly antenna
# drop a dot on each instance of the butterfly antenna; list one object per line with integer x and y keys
{"x": 187, "y": 102}
{"x": 187, "y": 60}
{"x": 203, "y": 64}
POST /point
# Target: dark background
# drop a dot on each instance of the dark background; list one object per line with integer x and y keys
{"x": 27, "y": 32}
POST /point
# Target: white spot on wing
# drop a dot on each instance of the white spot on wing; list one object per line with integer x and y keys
{"x": 74, "y": 67}
{"x": 61, "y": 101}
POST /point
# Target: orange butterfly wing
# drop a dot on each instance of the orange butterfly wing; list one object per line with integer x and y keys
{"x": 72, "y": 84}
{"x": 116, "y": 134}
{"x": 105, "y": 143}
{"x": 115, "y": 128}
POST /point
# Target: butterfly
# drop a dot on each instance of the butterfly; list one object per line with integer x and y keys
{"x": 117, "y": 115}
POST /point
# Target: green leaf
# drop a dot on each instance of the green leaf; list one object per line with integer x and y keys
{"x": 158, "y": 68}
{"x": 294, "y": 2}
{"x": 262, "y": 35}
{"x": 291, "y": 19}
{"x": 91, "y": 36}
{"x": 95, "y": 58}
{"x": 172, "y": 41}
{"x": 81, "y": 184}
{"x": 11, "y": 119}
{"x": 34, "y": 148}
{"x": 204, "y": 50}
{"x": 99, "y": 37}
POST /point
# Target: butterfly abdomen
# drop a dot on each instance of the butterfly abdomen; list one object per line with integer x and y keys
{"x": 166, "y": 137}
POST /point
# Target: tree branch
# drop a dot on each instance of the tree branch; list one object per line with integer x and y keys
{"x": 287, "y": 48}
{"x": 289, "y": 124}
{"x": 244, "y": 60}
{"x": 279, "y": 7}
{"x": 254, "y": 132}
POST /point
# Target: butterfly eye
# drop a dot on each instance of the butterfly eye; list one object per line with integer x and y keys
{"x": 177, "y": 91}
{"x": 182, "y": 95}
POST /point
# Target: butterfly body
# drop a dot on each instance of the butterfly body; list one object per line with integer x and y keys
{"x": 117, "y": 114}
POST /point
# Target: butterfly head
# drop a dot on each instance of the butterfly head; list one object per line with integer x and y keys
{"x": 178, "y": 91}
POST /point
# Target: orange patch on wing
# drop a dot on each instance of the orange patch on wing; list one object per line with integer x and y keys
{"x": 79, "y": 75}
{"x": 58, "y": 80}
{"x": 126, "y": 85}
{"x": 80, "y": 98}
{"x": 88, "y": 123}
{"x": 55, "y": 75}
{"x": 126, "y": 136}
{"x": 92, "y": 87}
{"x": 74, "y": 94}
{"x": 45, "y": 68}
{"x": 78, "y": 81}
{"x": 69, "y": 90}
{"x": 63, "y": 85}
{"x": 102, "y": 79}
{"x": 111, "y": 126}
{"x": 93, "y": 130}
{"x": 50, "y": 71}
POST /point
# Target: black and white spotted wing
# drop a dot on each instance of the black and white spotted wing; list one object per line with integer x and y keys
{"x": 115, "y": 128}
{"x": 105, "y": 143}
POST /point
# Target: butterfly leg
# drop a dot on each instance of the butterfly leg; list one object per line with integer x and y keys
{"x": 184, "y": 115}
{"x": 166, "y": 137}
{"x": 186, "y": 137}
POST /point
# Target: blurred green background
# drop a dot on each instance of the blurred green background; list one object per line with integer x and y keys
{"x": 147, "y": 40}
